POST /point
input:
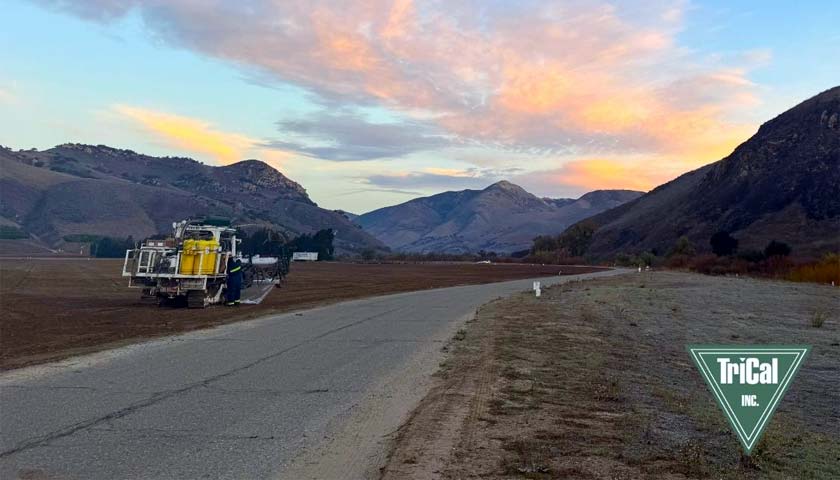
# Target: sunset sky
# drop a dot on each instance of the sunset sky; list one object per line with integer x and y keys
{"x": 369, "y": 103}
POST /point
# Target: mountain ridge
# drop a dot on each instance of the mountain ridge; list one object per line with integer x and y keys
{"x": 783, "y": 184}
{"x": 86, "y": 189}
{"x": 502, "y": 217}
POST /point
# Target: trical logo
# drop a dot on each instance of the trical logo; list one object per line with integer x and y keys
{"x": 748, "y": 382}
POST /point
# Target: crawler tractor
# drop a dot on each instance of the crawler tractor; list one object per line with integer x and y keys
{"x": 189, "y": 267}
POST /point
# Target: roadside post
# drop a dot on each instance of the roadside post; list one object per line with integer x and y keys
{"x": 537, "y": 288}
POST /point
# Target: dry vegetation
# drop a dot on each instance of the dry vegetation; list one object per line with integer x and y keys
{"x": 826, "y": 270}
{"x": 592, "y": 381}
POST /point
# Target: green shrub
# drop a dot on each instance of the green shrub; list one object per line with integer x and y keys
{"x": 81, "y": 238}
{"x": 107, "y": 247}
{"x": 723, "y": 244}
{"x": 8, "y": 232}
{"x": 682, "y": 247}
{"x": 751, "y": 255}
{"x": 776, "y": 249}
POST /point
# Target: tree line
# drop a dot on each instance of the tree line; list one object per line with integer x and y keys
{"x": 264, "y": 242}
{"x": 102, "y": 246}
{"x": 269, "y": 242}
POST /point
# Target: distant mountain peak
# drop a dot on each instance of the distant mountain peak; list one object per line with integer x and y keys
{"x": 264, "y": 175}
{"x": 251, "y": 162}
{"x": 513, "y": 191}
{"x": 503, "y": 217}
{"x": 505, "y": 185}
{"x": 606, "y": 195}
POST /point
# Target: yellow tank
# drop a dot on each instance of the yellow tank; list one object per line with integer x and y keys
{"x": 209, "y": 249}
{"x": 188, "y": 258}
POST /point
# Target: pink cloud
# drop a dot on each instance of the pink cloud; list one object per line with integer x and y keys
{"x": 582, "y": 76}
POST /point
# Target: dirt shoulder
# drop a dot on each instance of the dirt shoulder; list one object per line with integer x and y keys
{"x": 53, "y": 308}
{"x": 592, "y": 380}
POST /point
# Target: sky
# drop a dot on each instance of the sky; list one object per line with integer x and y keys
{"x": 369, "y": 103}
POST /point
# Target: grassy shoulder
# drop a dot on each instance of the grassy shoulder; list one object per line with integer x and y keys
{"x": 592, "y": 380}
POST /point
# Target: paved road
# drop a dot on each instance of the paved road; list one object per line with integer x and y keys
{"x": 239, "y": 401}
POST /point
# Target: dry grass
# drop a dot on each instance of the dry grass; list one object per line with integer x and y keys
{"x": 818, "y": 318}
{"x": 826, "y": 270}
{"x": 592, "y": 381}
{"x": 529, "y": 458}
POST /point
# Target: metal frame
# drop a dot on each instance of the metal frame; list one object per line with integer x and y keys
{"x": 139, "y": 264}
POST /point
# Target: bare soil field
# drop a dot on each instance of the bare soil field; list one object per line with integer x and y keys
{"x": 52, "y": 308}
{"x": 592, "y": 380}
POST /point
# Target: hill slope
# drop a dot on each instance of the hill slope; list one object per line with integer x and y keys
{"x": 502, "y": 218}
{"x": 84, "y": 189}
{"x": 782, "y": 184}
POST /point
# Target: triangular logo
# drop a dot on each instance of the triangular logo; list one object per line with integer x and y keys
{"x": 748, "y": 382}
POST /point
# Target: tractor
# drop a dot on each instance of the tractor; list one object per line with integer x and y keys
{"x": 188, "y": 268}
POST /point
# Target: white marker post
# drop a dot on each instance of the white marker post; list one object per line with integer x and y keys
{"x": 537, "y": 288}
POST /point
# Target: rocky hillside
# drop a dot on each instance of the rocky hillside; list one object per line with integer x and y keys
{"x": 782, "y": 184}
{"x": 503, "y": 218}
{"x": 84, "y": 189}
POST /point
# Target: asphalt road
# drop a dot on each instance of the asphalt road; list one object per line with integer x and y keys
{"x": 246, "y": 400}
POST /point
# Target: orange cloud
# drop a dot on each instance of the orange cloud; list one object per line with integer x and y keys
{"x": 452, "y": 172}
{"x": 199, "y": 137}
{"x": 399, "y": 19}
{"x": 602, "y": 173}
{"x": 535, "y": 88}
{"x": 613, "y": 114}
{"x": 190, "y": 134}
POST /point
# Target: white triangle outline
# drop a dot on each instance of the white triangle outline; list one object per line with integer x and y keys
{"x": 711, "y": 379}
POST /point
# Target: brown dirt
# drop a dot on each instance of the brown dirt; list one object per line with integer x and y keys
{"x": 592, "y": 380}
{"x": 52, "y": 308}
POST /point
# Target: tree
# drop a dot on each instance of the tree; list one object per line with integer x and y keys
{"x": 723, "y": 244}
{"x": 576, "y": 239}
{"x": 544, "y": 243}
{"x": 321, "y": 242}
{"x": 647, "y": 258}
{"x": 265, "y": 242}
{"x": 485, "y": 255}
{"x": 776, "y": 249}
{"x": 752, "y": 256}
{"x": 107, "y": 247}
{"x": 682, "y": 247}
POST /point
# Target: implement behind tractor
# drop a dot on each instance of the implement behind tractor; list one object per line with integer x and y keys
{"x": 189, "y": 267}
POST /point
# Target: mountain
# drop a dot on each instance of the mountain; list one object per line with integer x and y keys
{"x": 782, "y": 184}
{"x": 348, "y": 215}
{"x": 502, "y": 218}
{"x": 99, "y": 190}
